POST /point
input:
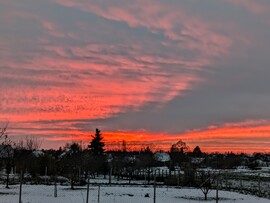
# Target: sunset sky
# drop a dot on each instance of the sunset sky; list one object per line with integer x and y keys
{"x": 150, "y": 72}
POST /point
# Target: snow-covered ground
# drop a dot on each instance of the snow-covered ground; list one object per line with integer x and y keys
{"x": 118, "y": 194}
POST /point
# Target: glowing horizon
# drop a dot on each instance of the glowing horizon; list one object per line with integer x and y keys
{"x": 245, "y": 137}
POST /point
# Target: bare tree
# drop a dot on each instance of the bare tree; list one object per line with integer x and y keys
{"x": 206, "y": 181}
{"x": 6, "y": 150}
{"x": 33, "y": 143}
{"x": 9, "y": 159}
{"x": 3, "y": 132}
{"x": 29, "y": 143}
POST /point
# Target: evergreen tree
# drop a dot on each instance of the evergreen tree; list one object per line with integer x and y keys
{"x": 197, "y": 151}
{"x": 96, "y": 146}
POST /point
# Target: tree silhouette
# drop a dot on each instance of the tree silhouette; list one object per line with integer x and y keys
{"x": 3, "y": 133}
{"x": 71, "y": 163}
{"x": 180, "y": 146}
{"x": 178, "y": 154}
{"x": 6, "y": 150}
{"x": 96, "y": 146}
{"x": 197, "y": 151}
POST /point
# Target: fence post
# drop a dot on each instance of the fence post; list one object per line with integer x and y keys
{"x": 110, "y": 176}
{"x": 259, "y": 182}
{"x": 226, "y": 179}
{"x": 46, "y": 172}
{"x": 55, "y": 189}
{"x": 241, "y": 183}
{"x": 87, "y": 193}
{"x": 20, "y": 194}
{"x": 79, "y": 175}
{"x": 98, "y": 193}
{"x": 178, "y": 179}
{"x": 145, "y": 177}
{"x": 155, "y": 187}
{"x": 217, "y": 191}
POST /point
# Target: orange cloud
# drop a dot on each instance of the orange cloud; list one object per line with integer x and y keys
{"x": 247, "y": 136}
{"x": 238, "y": 140}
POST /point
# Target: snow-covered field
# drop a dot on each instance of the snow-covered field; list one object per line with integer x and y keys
{"x": 118, "y": 194}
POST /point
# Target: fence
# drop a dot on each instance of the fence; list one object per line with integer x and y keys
{"x": 251, "y": 182}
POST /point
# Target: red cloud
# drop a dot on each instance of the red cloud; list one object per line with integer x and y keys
{"x": 97, "y": 80}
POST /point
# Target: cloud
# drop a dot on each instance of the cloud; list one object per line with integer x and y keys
{"x": 189, "y": 32}
{"x": 64, "y": 74}
{"x": 256, "y": 7}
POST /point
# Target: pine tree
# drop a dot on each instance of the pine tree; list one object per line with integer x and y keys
{"x": 96, "y": 146}
{"x": 197, "y": 151}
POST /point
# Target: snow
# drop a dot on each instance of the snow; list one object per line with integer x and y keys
{"x": 118, "y": 194}
{"x": 197, "y": 160}
{"x": 38, "y": 153}
{"x": 162, "y": 156}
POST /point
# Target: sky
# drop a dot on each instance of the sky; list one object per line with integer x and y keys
{"x": 150, "y": 72}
